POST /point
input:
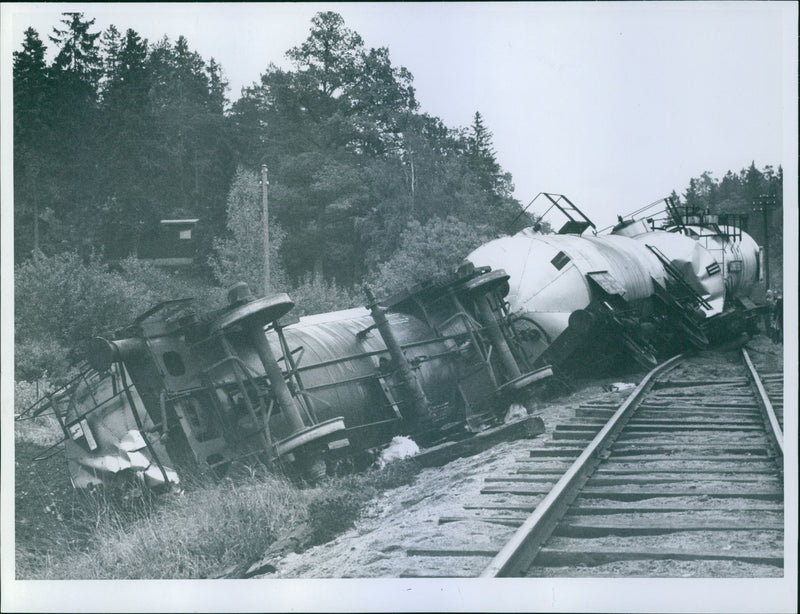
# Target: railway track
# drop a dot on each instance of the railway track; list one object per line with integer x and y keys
{"x": 772, "y": 380}
{"x": 683, "y": 479}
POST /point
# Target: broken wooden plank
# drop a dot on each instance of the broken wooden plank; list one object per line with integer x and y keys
{"x": 635, "y": 495}
{"x": 582, "y": 509}
{"x": 451, "y": 552}
{"x": 441, "y": 454}
{"x": 570, "y": 452}
{"x": 509, "y": 521}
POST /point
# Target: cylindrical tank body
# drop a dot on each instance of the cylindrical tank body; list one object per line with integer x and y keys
{"x": 690, "y": 258}
{"x": 548, "y": 273}
{"x": 337, "y": 366}
{"x": 736, "y": 252}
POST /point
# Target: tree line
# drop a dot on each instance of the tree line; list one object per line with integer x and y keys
{"x": 116, "y": 133}
{"x": 744, "y": 193}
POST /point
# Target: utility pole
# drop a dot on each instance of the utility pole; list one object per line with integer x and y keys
{"x": 766, "y": 202}
{"x": 264, "y": 201}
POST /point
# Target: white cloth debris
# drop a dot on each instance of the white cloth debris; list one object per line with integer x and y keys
{"x": 399, "y": 448}
{"x": 515, "y": 412}
{"x": 617, "y": 386}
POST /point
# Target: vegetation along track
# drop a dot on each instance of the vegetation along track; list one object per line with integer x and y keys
{"x": 683, "y": 479}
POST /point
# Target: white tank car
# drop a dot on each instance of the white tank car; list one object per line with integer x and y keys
{"x": 696, "y": 264}
{"x": 738, "y": 255}
{"x": 549, "y": 274}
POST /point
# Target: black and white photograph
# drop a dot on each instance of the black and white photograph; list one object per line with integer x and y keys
{"x": 389, "y": 306}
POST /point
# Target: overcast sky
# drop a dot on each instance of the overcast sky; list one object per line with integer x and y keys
{"x": 613, "y": 105}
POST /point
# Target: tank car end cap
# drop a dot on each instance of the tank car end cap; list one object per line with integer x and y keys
{"x": 100, "y": 354}
{"x": 263, "y": 310}
{"x": 526, "y": 379}
{"x": 319, "y": 433}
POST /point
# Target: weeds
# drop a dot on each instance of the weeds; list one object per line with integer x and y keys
{"x": 188, "y": 535}
{"x": 212, "y": 527}
{"x": 337, "y": 509}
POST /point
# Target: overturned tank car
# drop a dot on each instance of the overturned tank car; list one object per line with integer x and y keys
{"x": 179, "y": 390}
{"x": 656, "y": 283}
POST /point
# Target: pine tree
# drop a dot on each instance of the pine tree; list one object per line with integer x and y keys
{"x": 78, "y": 55}
{"x": 481, "y": 155}
{"x": 191, "y": 162}
{"x": 74, "y": 117}
{"x": 109, "y": 53}
{"x": 127, "y": 203}
{"x": 31, "y": 91}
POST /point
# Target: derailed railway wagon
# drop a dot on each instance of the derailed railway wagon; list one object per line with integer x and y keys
{"x": 660, "y": 281}
{"x": 179, "y": 391}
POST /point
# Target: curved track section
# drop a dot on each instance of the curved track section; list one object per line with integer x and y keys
{"x": 683, "y": 479}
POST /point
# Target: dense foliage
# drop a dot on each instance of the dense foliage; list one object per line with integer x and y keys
{"x": 117, "y": 133}
{"x": 112, "y": 136}
{"x": 62, "y": 301}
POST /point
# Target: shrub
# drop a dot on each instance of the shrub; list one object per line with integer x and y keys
{"x": 434, "y": 248}
{"x": 314, "y": 294}
{"x": 63, "y": 301}
{"x": 35, "y": 358}
{"x": 240, "y": 255}
{"x": 164, "y": 284}
{"x": 332, "y": 514}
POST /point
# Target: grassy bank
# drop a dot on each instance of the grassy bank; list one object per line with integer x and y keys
{"x": 210, "y": 529}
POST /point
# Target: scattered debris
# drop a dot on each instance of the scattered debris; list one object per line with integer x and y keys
{"x": 400, "y": 447}
{"x": 619, "y": 386}
{"x": 515, "y": 412}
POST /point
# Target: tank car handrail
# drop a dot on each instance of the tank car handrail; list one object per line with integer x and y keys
{"x": 305, "y": 392}
{"x": 333, "y": 361}
{"x": 236, "y": 361}
{"x": 677, "y": 277}
{"x": 137, "y": 418}
{"x": 61, "y": 416}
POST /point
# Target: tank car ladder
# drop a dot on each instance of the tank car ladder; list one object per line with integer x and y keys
{"x": 577, "y": 221}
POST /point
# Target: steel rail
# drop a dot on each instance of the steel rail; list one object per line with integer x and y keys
{"x": 774, "y": 428}
{"x": 520, "y": 551}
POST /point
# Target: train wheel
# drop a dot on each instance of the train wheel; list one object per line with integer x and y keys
{"x": 692, "y": 333}
{"x": 316, "y": 470}
{"x": 642, "y": 356}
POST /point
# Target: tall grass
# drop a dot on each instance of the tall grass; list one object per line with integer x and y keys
{"x": 42, "y": 430}
{"x": 196, "y": 534}
{"x": 211, "y": 529}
